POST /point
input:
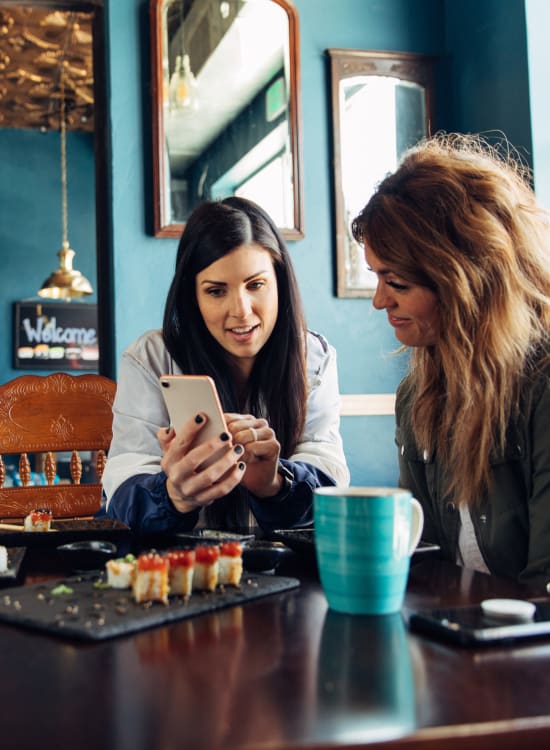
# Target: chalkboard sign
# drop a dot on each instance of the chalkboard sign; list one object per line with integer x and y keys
{"x": 55, "y": 336}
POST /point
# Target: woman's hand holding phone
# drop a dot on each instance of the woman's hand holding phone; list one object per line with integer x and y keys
{"x": 193, "y": 479}
{"x": 201, "y": 461}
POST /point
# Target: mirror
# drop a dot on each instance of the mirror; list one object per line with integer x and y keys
{"x": 226, "y": 108}
{"x": 381, "y": 105}
{"x": 36, "y": 41}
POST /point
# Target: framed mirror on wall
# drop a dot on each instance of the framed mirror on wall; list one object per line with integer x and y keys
{"x": 226, "y": 109}
{"x": 42, "y": 38}
{"x": 382, "y": 103}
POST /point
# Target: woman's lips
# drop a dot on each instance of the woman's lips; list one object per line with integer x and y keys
{"x": 397, "y": 322}
{"x": 242, "y": 333}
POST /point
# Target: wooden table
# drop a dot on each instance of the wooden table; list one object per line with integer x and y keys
{"x": 281, "y": 672}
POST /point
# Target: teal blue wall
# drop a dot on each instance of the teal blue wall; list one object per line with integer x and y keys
{"x": 487, "y": 82}
{"x": 30, "y": 219}
{"x": 482, "y": 51}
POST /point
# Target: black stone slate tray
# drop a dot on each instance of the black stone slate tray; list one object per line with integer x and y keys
{"x": 67, "y": 530}
{"x": 91, "y": 613}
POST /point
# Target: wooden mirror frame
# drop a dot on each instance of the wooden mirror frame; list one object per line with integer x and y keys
{"x": 347, "y": 63}
{"x": 160, "y": 196}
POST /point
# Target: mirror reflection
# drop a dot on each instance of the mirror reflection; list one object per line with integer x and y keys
{"x": 225, "y": 101}
{"x": 381, "y": 106}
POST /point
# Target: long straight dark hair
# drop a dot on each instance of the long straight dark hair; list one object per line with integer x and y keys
{"x": 277, "y": 387}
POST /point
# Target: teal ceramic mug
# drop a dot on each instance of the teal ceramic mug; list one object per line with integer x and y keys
{"x": 364, "y": 538}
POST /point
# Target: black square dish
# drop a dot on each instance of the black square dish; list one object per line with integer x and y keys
{"x": 15, "y": 558}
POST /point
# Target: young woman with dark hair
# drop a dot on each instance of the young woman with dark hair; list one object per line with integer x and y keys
{"x": 234, "y": 313}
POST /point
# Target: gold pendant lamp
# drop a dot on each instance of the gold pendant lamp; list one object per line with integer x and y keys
{"x": 65, "y": 283}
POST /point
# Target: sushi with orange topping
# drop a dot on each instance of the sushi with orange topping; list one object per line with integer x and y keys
{"x": 150, "y": 582}
{"x": 180, "y": 574}
{"x": 39, "y": 519}
{"x": 230, "y": 564}
{"x": 205, "y": 576}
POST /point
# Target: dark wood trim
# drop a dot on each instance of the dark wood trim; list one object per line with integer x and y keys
{"x": 103, "y": 200}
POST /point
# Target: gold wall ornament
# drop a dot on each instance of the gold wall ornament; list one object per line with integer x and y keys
{"x": 33, "y": 42}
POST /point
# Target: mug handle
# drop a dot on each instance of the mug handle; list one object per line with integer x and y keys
{"x": 417, "y": 524}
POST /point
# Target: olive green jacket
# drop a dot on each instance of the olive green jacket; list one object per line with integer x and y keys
{"x": 512, "y": 524}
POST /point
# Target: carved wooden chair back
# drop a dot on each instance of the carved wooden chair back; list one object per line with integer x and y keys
{"x": 47, "y": 415}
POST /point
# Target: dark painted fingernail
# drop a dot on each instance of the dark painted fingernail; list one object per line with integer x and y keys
{"x": 238, "y": 449}
{"x": 224, "y": 436}
{"x": 199, "y": 419}
{"x": 168, "y": 430}
{"x": 242, "y": 465}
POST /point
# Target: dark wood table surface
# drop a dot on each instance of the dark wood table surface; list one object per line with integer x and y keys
{"x": 279, "y": 672}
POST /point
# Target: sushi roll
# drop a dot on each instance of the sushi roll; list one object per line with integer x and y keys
{"x": 120, "y": 572}
{"x": 150, "y": 582}
{"x": 39, "y": 519}
{"x": 206, "y": 567}
{"x": 180, "y": 574}
{"x": 3, "y": 560}
{"x": 231, "y": 563}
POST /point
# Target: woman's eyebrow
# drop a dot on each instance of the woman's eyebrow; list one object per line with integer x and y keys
{"x": 257, "y": 273}
{"x": 224, "y": 283}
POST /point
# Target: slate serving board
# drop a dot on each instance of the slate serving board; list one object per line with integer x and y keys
{"x": 93, "y": 614}
{"x": 67, "y": 530}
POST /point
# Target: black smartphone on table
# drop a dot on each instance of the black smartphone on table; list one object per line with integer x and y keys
{"x": 476, "y": 626}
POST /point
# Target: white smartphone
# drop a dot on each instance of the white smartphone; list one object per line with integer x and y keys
{"x": 187, "y": 395}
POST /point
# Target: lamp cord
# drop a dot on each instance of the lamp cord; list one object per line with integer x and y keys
{"x": 62, "y": 124}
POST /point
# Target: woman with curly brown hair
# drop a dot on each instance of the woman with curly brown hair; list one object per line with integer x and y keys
{"x": 462, "y": 253}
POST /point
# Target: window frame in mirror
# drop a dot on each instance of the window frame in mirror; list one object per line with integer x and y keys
{"x": 161, "y": 195}
{"x": 347, "y": 63}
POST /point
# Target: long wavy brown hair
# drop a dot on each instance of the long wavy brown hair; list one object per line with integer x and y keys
{"x": 459, "y": 216}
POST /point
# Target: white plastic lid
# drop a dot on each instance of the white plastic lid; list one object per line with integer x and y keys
{"x": 516, "y": 608}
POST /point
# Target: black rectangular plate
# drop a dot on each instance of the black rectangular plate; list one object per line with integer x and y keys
{"x": 303, "y": 541}
{"x": 15, "y": 558}
{"x": 67, "y": 530}
{"x": 93, "y": 614}
{"x": 300, "y": 540}
{"x": 211, "y": 536}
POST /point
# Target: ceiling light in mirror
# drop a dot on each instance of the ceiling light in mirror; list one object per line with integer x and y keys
{"x": 235, "y": 66}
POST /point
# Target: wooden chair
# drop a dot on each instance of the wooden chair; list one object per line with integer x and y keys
{"x": 48, "y": 415}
